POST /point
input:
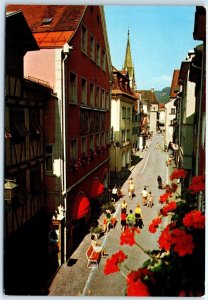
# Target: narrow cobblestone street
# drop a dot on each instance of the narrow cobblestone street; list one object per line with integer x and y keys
{"x": 74, "y": 278}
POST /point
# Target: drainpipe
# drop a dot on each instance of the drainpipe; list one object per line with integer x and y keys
{"x": 66, "y": 51}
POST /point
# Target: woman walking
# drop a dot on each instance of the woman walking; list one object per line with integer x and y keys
{"x": 138, "y": 216}
{"x": 131, "y": 188}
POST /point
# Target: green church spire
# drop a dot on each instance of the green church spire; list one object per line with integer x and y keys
{"x": 128, "y": 65}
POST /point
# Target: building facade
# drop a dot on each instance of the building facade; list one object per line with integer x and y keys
{"x": 25, "y": 206}
{"x": 74, "y": 57}
{"x": 122, "y": 103}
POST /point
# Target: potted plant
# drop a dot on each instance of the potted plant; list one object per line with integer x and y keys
{"x": 97, "y": 231}
{"x": 108, "y": 206}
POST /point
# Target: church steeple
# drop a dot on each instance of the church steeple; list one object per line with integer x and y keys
{"x": 128, "y": 60}
{"x": 128, "y": 65}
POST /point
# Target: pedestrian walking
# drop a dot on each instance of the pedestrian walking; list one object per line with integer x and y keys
{"x": 123, "y": 221}
{"x": 124, "y": 206}
{"x": 150, "y": 200}
{"x": 138, "y": 215}
{"x": 159, "y": 180}
{"x": 144, "y": 194}
{"x": 131, "y": 220}
{"x": 131, "y": 188}
{"x": 114, "y": 194}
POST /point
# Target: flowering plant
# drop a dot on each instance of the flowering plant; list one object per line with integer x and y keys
{"x": 176, "y": 268}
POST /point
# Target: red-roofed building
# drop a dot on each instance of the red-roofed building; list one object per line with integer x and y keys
{"x": 74, "y": 58}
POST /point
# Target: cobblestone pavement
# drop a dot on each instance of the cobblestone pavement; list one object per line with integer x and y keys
{"x": 74, "y": 278}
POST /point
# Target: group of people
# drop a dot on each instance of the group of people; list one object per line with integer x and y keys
{"x": 147, "y": 198}
{"x": 133, "y": 219}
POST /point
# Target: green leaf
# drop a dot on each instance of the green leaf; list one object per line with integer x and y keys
{"x": 147, "y": 263}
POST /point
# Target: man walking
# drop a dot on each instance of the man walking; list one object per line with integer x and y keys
{"x": 144, "y": 194}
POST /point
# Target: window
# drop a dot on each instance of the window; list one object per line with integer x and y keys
{"x": 107, "y": 137}
{"x": 128, "y": 134}
{"x": 84, "y": 39}
{"x": 84, "y": 91}
{"x": 123, "y": 112}
{"x": 98, "y": 96}
{"x": 103, "y": 139}
{"x": 84, "y": 145}
{"x": 128, "y": 113}
{"x": 34, "y": 125}
{"x": 73, "y": 149}
{"x": 92, "y": 142}
{"x": 123, "y": 135}
{"x": 172, "y": 112}
{"x": 103, "y": 98}
{"x": 92, "y": 94}
{"x": 107, "y": 101}
{"x": 49, "y": 158}
{"x": 92, "y": 47}
{"x": 104, "y": 60}
{"x": 17, "y": 125}
{"x": 73, "y": 87}
{"x": 98, "y": 140}
{"x": 98, "y": 54}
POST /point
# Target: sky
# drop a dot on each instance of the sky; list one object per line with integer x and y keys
{"x": 160, "y": 38}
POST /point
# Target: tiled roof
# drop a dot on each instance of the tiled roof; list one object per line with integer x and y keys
{"x": 52, "y": 25}
{"x": 148, "y": 95}
{"x": 63, "y": 17}
{"x": 174, "y": 86}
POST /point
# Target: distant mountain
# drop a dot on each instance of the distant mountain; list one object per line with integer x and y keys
{"x": 163, "y": 96}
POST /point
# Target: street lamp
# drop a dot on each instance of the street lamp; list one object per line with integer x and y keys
{"x": 9, "y": 190}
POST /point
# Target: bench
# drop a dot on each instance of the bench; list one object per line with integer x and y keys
{"x": 93, "y": 258}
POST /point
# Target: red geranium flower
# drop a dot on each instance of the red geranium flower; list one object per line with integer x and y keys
{"x": 112, "y": 263}
{"x": 194, "y": 219}
{"x": 137, "y": 275}
{"x": 127, "y": 237}
{"x": 164, "y": 197}
{"x": 165, "y": 240}
{"x": 169, "y": 207}
{"x": 154, "y": 225}
{"x": 137, "y": 288}
{"x": 183, "y": 242}
{"x": 197, "y": 184}
{"x": 178, "y": 173}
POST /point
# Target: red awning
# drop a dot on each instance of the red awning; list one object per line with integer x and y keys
{"x": 97, "y": 188}
{"x": 81, "y": 207}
